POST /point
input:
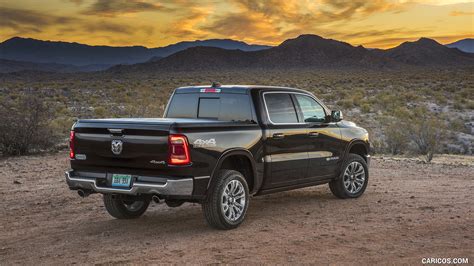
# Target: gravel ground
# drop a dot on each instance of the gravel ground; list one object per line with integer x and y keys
{"x": 410, "y": 211}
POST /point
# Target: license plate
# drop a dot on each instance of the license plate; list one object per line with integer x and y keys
{"x": 119, "y": 180}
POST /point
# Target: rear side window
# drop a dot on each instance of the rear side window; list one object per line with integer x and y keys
{"x": 280, "y": 108}
{"x": 221, "y": 106}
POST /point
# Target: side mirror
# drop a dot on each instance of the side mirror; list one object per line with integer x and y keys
{"x": 336, "y": 116}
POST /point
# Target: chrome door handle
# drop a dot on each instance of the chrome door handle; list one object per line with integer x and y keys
{"x": 313, "y": 134}
{"x": 278, "y": 135}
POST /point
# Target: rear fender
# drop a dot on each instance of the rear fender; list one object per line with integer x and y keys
{"x": 233, "y": 152}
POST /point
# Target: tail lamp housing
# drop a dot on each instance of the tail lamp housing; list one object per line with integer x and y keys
{"x": 72, "y": 136}
{"x": 178, "y": 150}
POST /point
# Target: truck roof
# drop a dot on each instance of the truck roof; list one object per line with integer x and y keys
{"x": 231, "y": 88}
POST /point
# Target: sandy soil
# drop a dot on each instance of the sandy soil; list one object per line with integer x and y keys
{"x": 409, "y": 211}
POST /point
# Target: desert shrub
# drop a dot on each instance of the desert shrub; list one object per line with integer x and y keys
{"x": 365, "y": 107}
{"x": 25, "y": 125}
{"x": 417, "y": 131}
{"x": 426, "y": 132}
{"x": 396, "y": 141}
{"x": 345, "y": 103}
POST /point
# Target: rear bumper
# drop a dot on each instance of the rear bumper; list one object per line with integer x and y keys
{"x": 140, "y": 185}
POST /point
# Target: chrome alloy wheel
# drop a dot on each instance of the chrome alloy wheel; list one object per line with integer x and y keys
{"x": 354, "y": 177}
{"x": 233, "y": 200}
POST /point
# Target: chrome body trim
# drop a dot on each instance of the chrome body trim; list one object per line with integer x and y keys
{"x": 176, "y": 187}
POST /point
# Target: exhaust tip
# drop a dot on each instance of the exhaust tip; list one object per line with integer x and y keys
{"x": 156, "y": 199}
{"x": 82, "y": 193}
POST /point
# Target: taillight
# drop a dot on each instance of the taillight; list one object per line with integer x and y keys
{"x": 71, "y": 144}
{"x": 178, "y": 150}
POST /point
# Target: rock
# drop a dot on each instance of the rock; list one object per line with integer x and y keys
{"x": 17, "y": 182}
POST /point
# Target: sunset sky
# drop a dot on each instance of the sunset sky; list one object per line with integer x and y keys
{"x": 376, "y": 23}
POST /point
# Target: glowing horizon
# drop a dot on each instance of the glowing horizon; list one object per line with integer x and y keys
{"x": 373, "y": 24}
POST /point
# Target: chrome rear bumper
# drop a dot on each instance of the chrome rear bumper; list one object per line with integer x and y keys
{"x": 174, "y": 187}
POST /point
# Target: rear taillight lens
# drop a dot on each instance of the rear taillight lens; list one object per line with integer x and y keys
{"x": 71, "y": 145}
{"x": 178, "y": 150}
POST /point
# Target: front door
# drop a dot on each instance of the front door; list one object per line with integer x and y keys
{"x": 323, "y": 138}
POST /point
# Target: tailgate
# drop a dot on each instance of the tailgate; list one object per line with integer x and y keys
{"x": 121, "y": 144}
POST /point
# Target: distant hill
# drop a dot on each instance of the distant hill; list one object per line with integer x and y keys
{"x": 37, "y": 51}
{"x": 9, "y": 66}
{"x": 315, "y": 51}
{"x": 427, "y": 52}
{"x": 465, "y": 45}
{"x": 218, "y": 43}
{"x": 310, "y": 51}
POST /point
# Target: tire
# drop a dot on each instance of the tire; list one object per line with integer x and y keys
{"x": 174, "y": 203}
{"x": 230, "y": 190}
{"x": 353, "y": 179}
{"x": 125, "y": 207}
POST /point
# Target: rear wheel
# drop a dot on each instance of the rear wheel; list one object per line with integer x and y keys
{"x": 125, "y": 207}
{"x": 227, "y": 202}
{"x": 353, "y": 180}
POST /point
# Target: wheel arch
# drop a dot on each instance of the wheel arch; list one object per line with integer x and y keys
{"x": 236, "y": 158}
{"x": 359, "y": 147}
{"x": 356, "y": 146}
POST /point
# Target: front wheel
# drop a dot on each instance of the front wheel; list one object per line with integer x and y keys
{"x": 353, "y": 180}
{"x": 227, "y": 201}
{"x": 125, "y": 207}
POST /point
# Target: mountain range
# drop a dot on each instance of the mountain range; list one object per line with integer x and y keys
{"x": 37, "y": 51}
{"x": 465, "y": 45}
{"x": 309, "y": 51}
{"x": 305, "y": 51}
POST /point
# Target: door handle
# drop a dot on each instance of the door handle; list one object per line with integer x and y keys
{"x": 278, "y": 135}
{"x": 313, "y": 134}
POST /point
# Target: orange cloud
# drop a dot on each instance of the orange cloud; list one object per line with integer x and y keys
{"x": 460, "y": 13}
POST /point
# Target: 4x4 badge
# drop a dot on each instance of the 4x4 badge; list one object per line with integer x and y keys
{"x": 117, "y": 146}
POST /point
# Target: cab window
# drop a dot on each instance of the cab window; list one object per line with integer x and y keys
{"x": 280, "y": 108}
{"x": 311, "y": 109}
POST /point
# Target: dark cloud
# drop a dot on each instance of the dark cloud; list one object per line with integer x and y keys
{"x": 110, "y": 8}
{"x": 24, "y": 22}
{"x": 18, "y": 18}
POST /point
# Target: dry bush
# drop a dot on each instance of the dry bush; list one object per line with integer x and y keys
{"x": 426, "y": 132}
{"x": 25, "y": 125}
{"x": 396, "y": 140}
{"x": 417, "y": 131}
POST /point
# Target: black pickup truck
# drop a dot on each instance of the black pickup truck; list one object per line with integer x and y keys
{"x": 218, "y": 145}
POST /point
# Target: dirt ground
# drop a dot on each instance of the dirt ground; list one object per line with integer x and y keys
{"x": 410, "y": 211}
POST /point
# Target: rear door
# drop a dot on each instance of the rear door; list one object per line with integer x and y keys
{"x": 286, "y": 141}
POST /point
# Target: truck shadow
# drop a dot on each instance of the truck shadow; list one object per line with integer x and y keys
{"x": 163, "y": 222}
